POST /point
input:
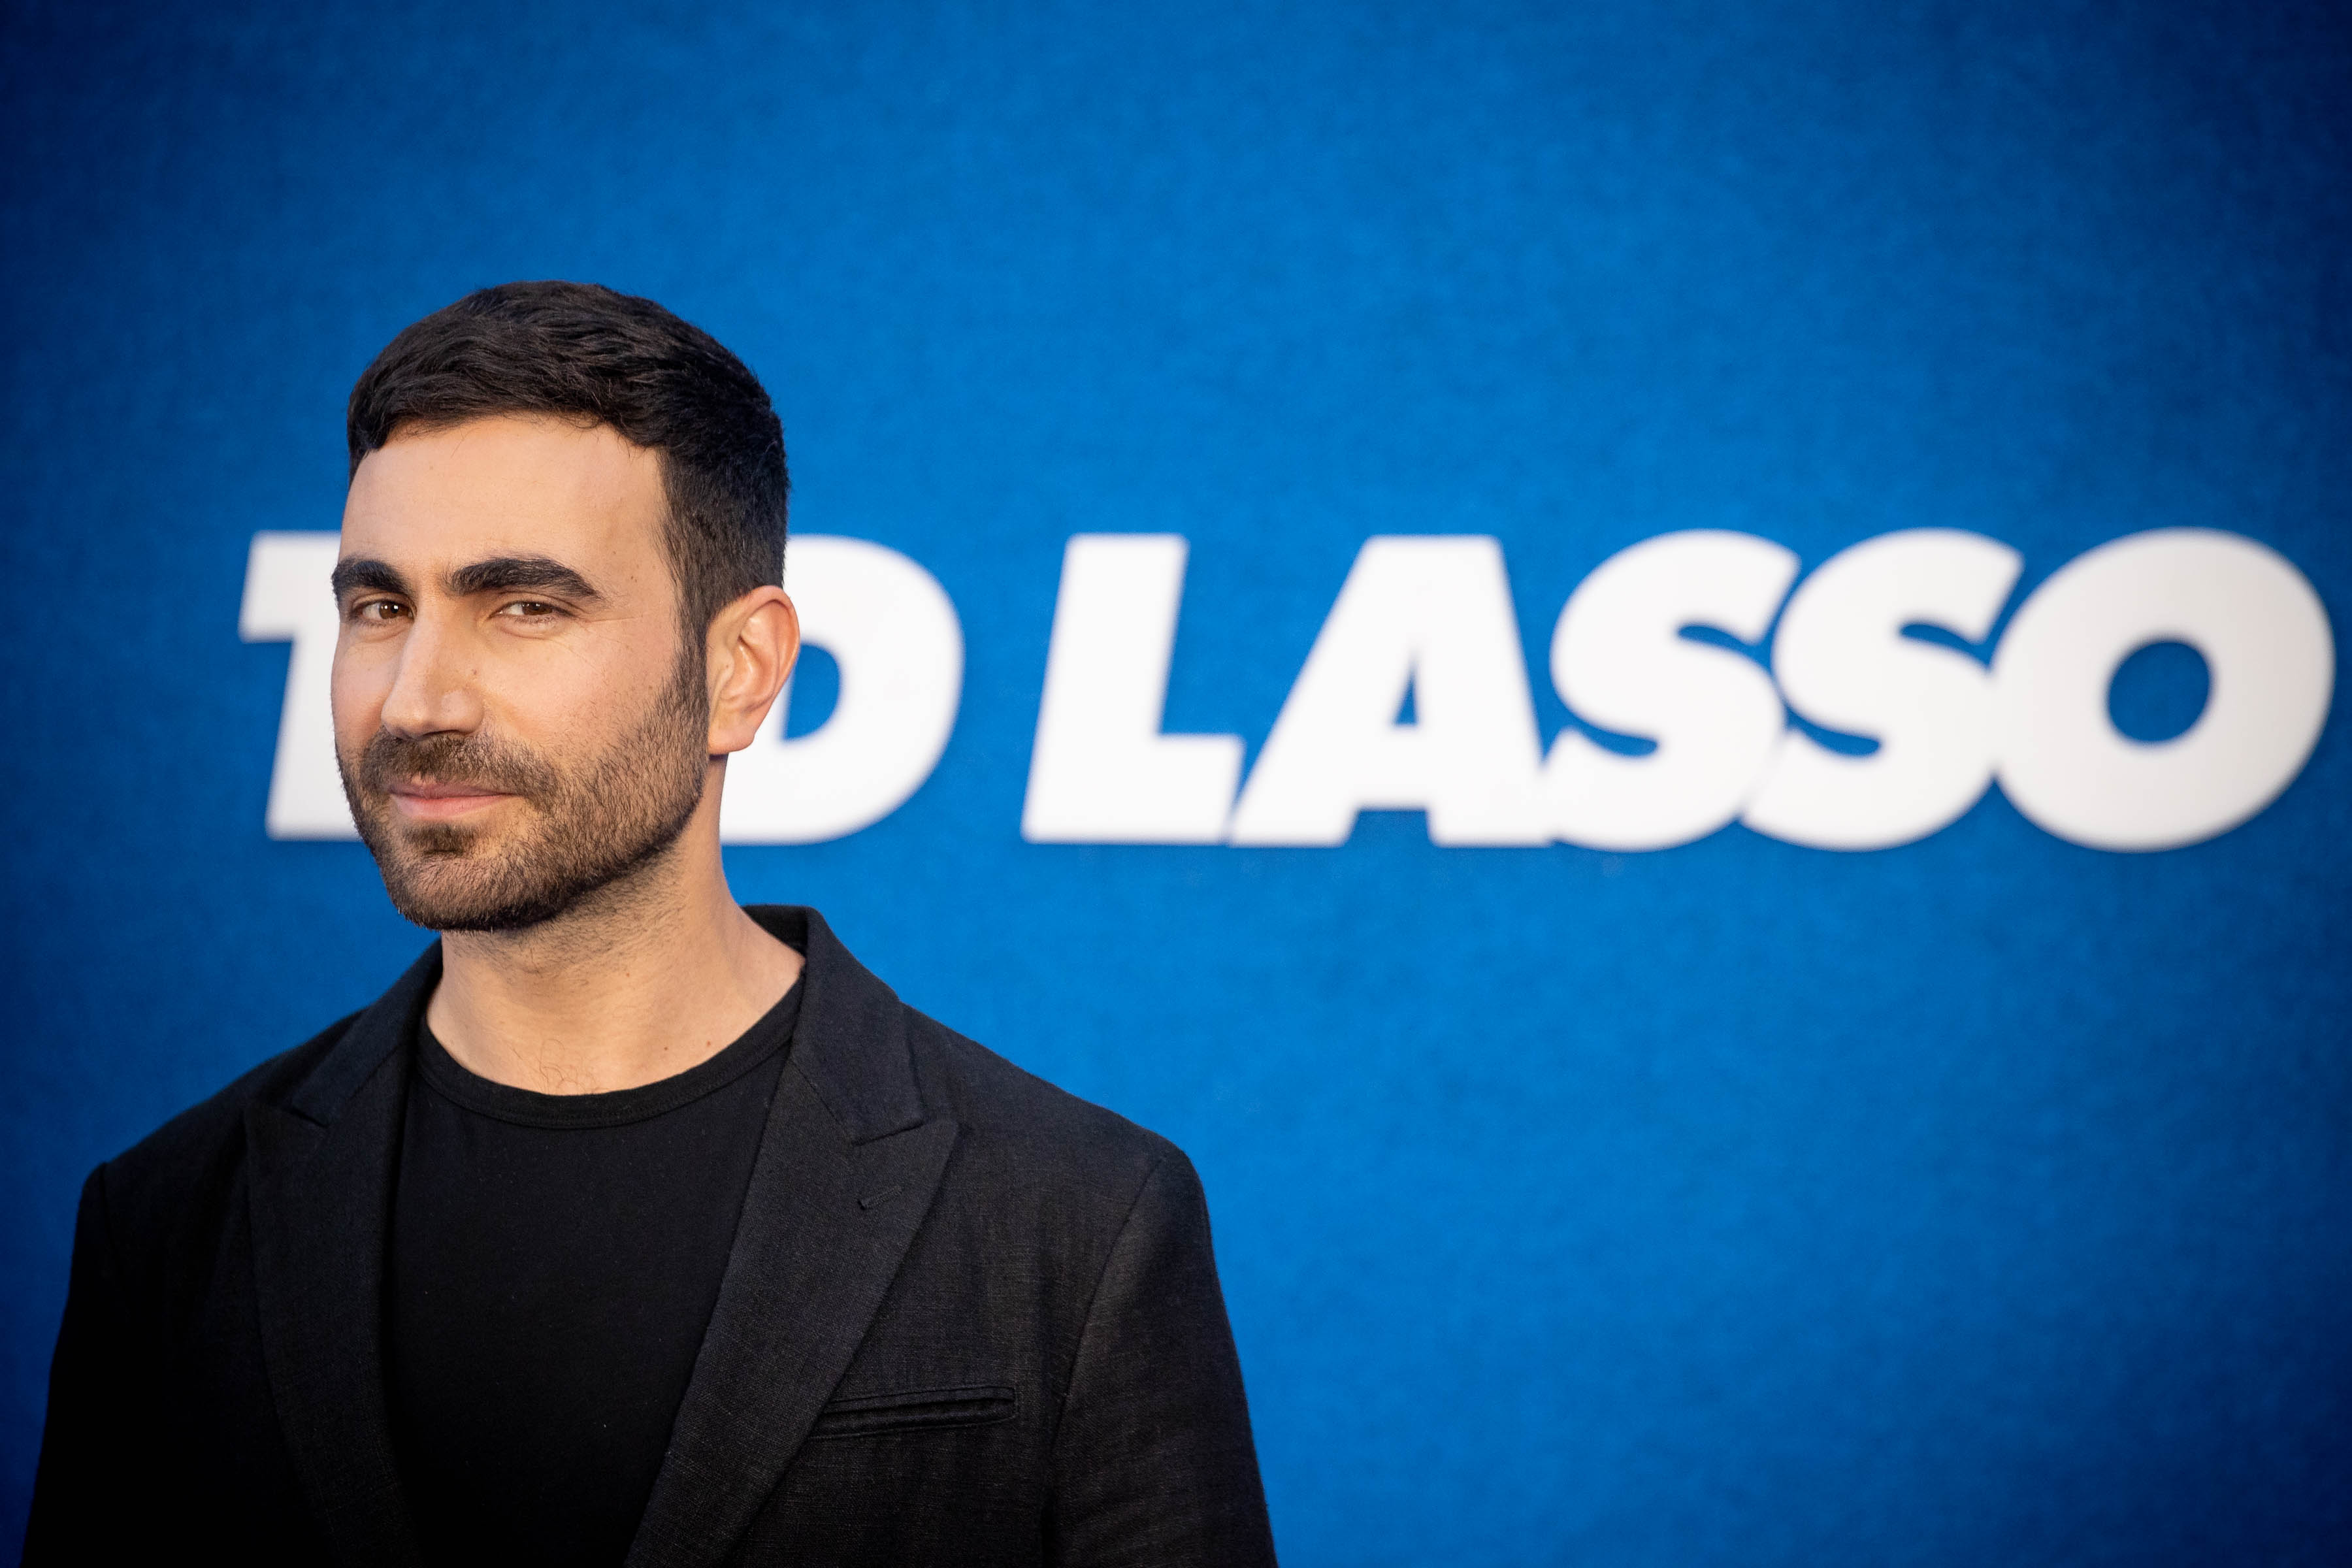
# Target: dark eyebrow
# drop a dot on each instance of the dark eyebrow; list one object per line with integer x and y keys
{"x": 364, "y": 573}
{"x": 505, "y": 574}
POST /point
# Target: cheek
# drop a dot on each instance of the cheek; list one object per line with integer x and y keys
{"x": 573, "y": 699}
{"x": 357, "y": 685}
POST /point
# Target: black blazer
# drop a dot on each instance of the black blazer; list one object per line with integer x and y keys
{"x": 968, "y": 1319}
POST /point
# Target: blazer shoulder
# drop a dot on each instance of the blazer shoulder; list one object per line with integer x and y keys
{"x": 167, "y": 1169}
{"x": 1021, "y": 1112}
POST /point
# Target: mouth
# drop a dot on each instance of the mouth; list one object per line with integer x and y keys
{"x": 428, "y": 800}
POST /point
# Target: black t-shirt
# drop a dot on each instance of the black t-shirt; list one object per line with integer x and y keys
{"x": 554, "y": 1260}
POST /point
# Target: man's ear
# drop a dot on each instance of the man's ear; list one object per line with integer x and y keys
{"x": 751, "y": 648}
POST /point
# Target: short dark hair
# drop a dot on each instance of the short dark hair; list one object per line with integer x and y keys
{"x": 581, "y": 351}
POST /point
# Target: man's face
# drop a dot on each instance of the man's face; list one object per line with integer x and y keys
{"x": 516, "y": 718}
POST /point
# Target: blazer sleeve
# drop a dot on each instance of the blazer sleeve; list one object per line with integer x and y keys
{"x": 1152, "y": 1457}
{"x": 94, "y": 1494}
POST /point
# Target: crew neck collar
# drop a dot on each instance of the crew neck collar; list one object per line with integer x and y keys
{"x": 530, "y": 1107}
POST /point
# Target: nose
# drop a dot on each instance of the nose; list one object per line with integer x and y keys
{"x": 433, "y": 687}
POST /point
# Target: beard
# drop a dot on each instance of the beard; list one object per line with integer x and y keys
{"x": 592, "y": 827}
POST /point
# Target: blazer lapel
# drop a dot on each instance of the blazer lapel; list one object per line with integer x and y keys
{"x": 845, "y": 1171}
{"x": 322, "y": 1171}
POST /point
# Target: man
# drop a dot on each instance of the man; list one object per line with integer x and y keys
{"x": 630, "y": 1226}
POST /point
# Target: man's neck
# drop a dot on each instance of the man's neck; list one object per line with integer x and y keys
{"x": 639, "y": 983}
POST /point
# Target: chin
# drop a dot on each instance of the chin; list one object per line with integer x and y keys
{"x": 447, "y": 878}
{"x": 446, "y": 908}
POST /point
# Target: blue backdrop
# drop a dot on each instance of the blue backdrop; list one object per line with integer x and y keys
{"x": 1987, "y": 1200}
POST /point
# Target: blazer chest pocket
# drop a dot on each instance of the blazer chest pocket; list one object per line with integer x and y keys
{"x": 915, "y": 1411}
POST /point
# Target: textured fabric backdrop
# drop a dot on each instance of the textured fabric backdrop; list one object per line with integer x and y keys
{"x": 1987, "y": 1200}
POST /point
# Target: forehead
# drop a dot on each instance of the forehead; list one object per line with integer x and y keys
{"x": 511, "y": 484}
